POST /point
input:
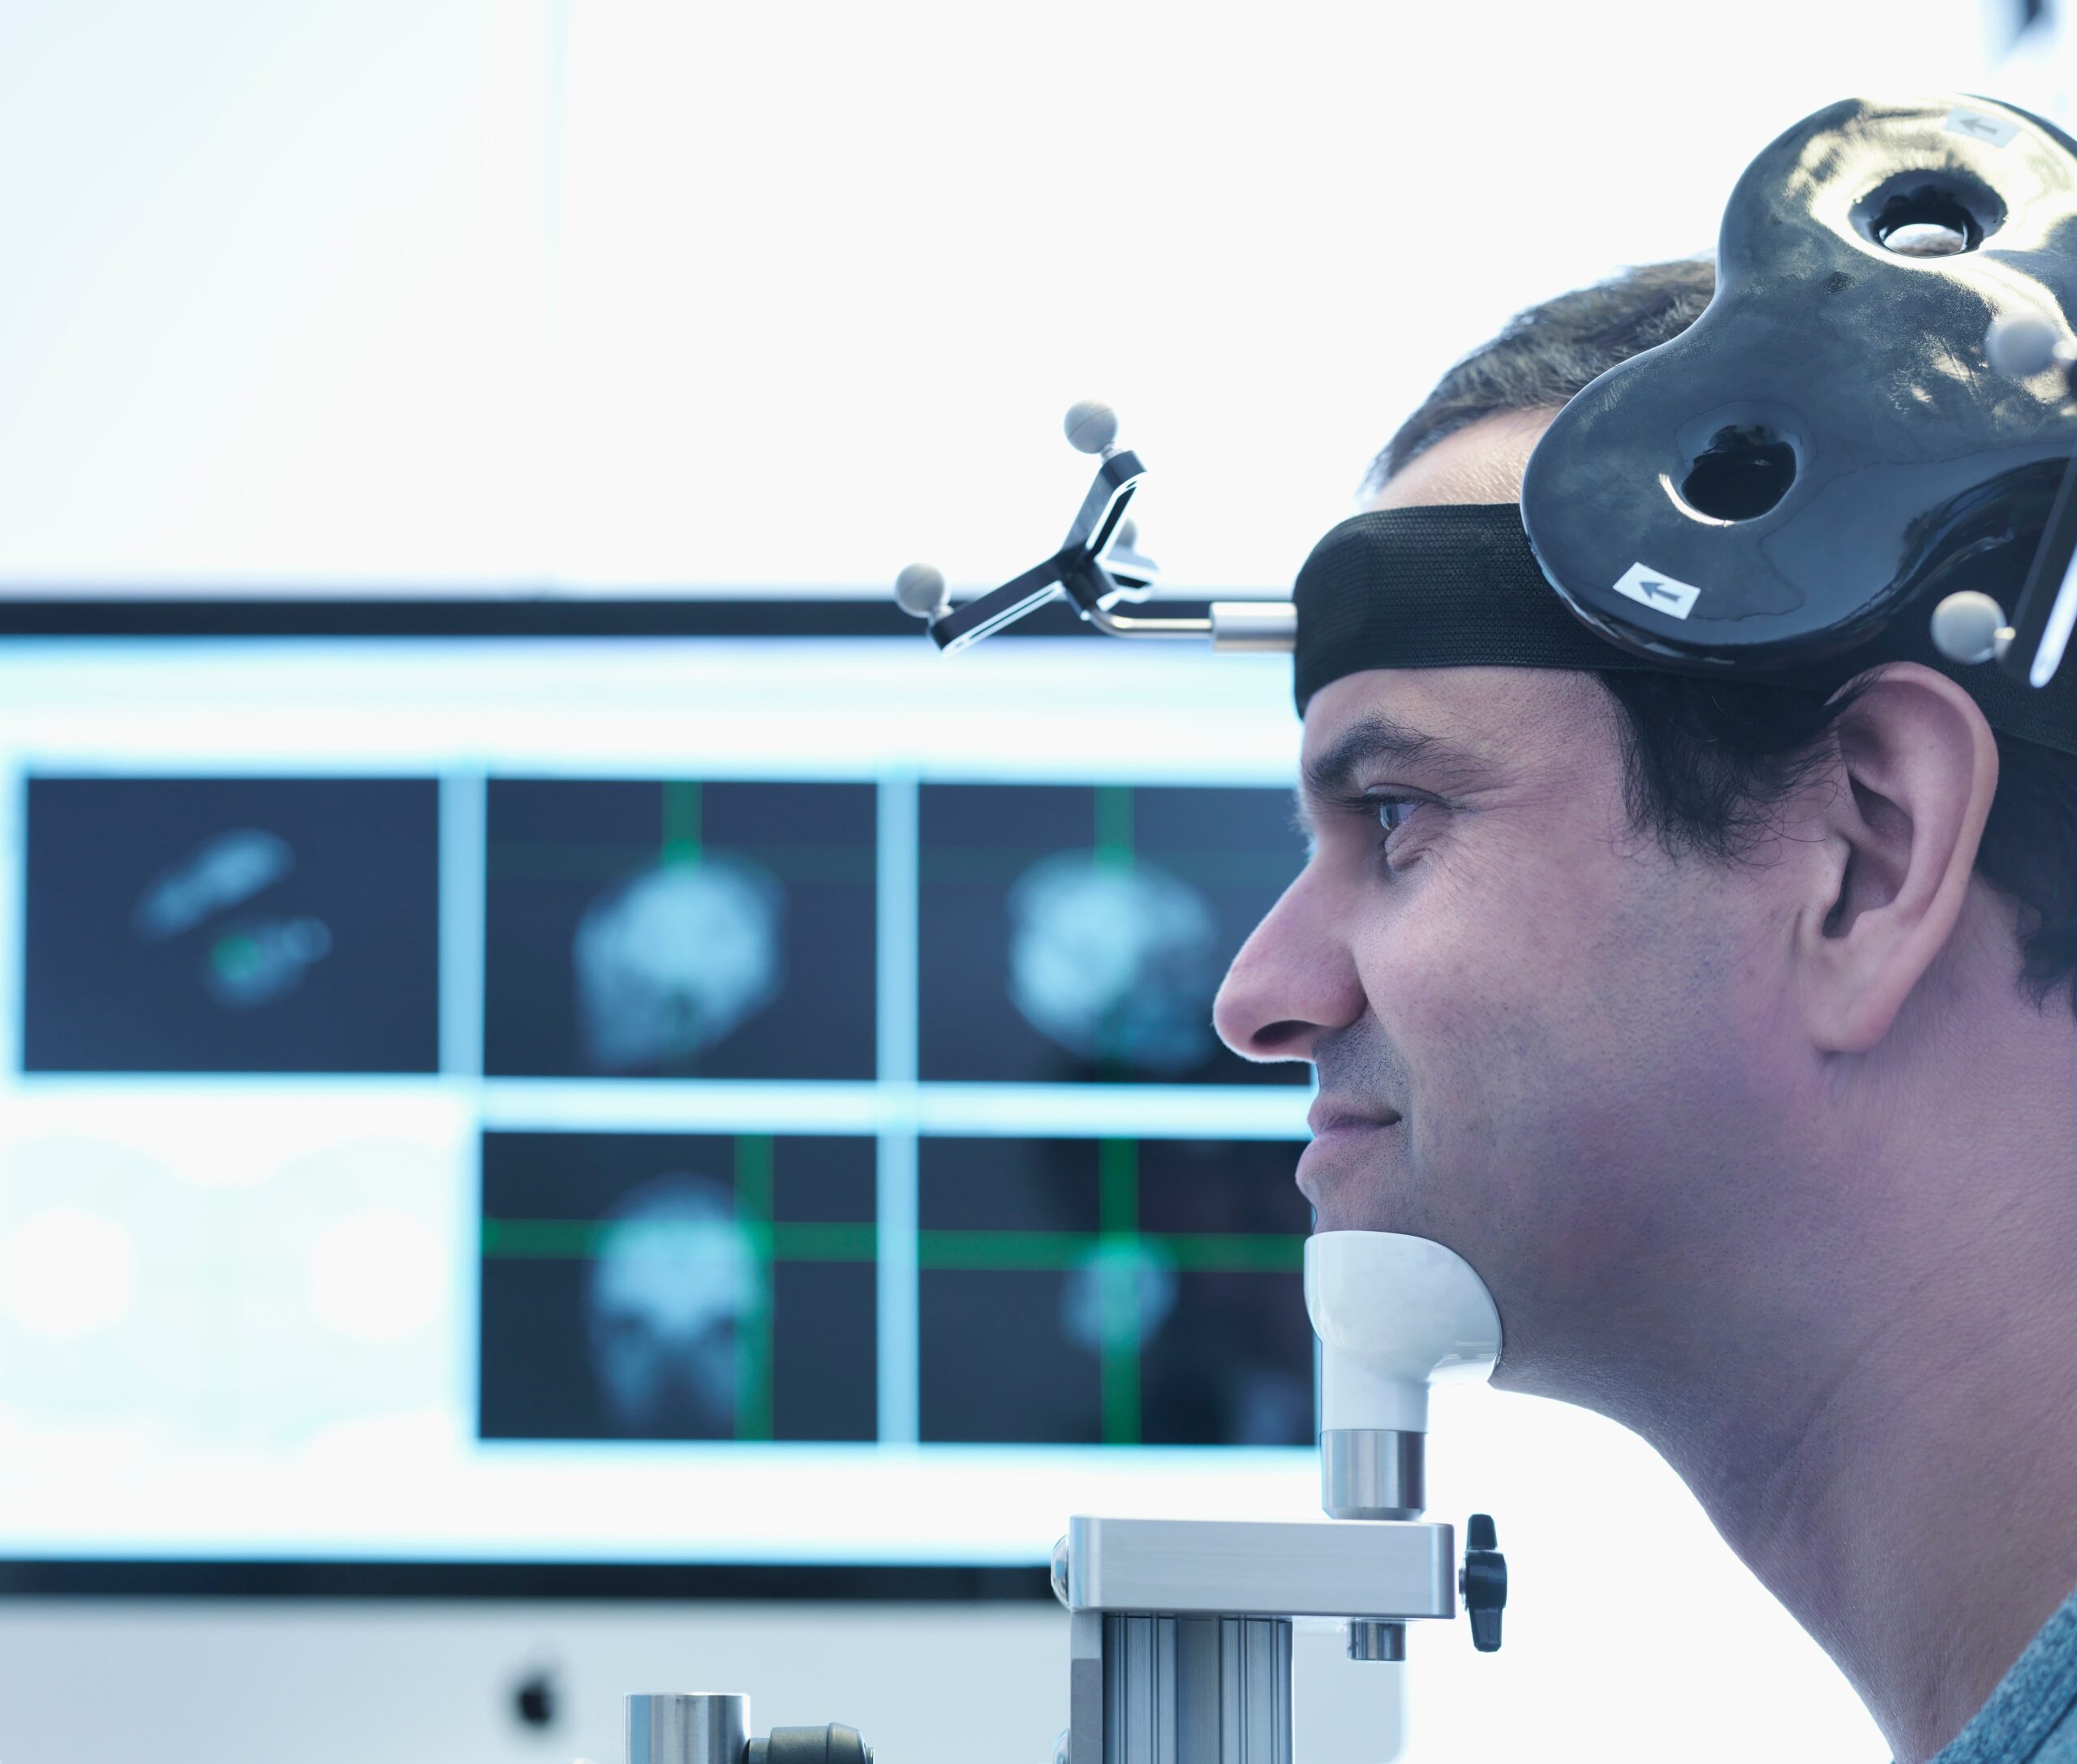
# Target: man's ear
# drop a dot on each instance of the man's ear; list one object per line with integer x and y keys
{"x": 1896, "y": 840}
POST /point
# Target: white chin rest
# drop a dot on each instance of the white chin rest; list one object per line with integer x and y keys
{"x": 1395, "y": 1314}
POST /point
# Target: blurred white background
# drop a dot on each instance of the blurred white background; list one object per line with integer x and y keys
{"x": 471, "y": 293}
{"x": 645, "y": 292}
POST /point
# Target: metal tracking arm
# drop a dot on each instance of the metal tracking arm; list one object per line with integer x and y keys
{"x": 1096, "y": 567}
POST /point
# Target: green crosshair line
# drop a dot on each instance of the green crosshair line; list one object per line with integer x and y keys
{"x": 973, "y": 1252}
{"x": 1118, "y": 1251}
{"x": 1118, "y": 1265}
{"x": 682, "y": 837}
{"x": 754, "y": 1163}
{"x": 1114, "y": 826}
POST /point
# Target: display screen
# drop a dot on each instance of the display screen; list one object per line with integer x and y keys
{"x": 727, "y": 1100}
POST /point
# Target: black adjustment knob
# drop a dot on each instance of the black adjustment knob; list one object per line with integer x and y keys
{"x": 1484, "y": 1582}
{"x": 835, "y": 1743}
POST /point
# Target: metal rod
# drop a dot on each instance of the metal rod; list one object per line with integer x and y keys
{"x": 710, "y": 1728}
{"x": 1373, "y": 1473}
{"x": 1125, "y": 626}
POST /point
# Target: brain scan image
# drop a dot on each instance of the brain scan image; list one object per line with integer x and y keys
{"x": 1117, "y": 963}
{"x": 256, "y": 963}
{"x": 246, "y": 962}
{"x": 1117, "y": 1292}
{"x": 673, "y": 959}
{"x": 681, "y": 928}
{"x": 1078, "y": 934}
{"x": 233, "y": 925}
{"x": 218, "y": 875}
{"x": 678, "y": 1286}
{"x": 673, "y": 1280}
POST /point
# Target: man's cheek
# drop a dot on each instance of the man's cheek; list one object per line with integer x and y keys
{"x": 1432, "y": 986}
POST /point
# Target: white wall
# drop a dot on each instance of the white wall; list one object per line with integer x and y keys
{"x": 643, "y": 292}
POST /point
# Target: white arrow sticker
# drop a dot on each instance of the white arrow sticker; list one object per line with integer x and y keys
{"x": 1975, "y": 124}
{"x": 1658, "y": 590}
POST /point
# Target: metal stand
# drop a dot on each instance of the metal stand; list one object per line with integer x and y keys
{"x": 1178, "y": 1689}
{"x": 1179, "y": 1631}
{"x": 1179, "y": 1638}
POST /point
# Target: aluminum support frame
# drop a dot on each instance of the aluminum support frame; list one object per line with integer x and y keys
{"x": 1179, "y": 1690}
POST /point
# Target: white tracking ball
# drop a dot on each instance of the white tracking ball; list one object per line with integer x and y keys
{"x": 1967, "y": 627}
{"x": 1090, "y": 426}
{"x": 920, "y": 591}
{"x": 2020, "y": 347}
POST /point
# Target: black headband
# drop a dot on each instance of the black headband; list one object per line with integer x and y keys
{"x": 1456, "y": 586}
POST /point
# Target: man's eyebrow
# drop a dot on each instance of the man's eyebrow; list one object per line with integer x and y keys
{"x": 1382, "y": 740}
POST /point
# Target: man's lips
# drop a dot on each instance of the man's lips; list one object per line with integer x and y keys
{"x": 1331, "y": 1122}
{"x": 1326, "y": 1116}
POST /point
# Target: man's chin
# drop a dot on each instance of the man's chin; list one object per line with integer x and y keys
{"x": 1352, "y": 1175}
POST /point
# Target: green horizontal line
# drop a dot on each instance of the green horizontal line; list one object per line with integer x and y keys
{"x": 578, "y": 1239}
{"x": 999, "y": 1251}
{"x": 1188, "y": 1252}
{"x": 1235, "y": 1252}
{"x": 974, "y": 1251}
{"x": 825, "y": 1243}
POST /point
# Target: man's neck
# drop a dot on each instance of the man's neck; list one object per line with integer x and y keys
{"x": 1884, "y": 1421}
{"x": 1921, "y": 1545}
{"x": 1906, "y": 1485}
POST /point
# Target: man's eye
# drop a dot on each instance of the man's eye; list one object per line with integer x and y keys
{"x": 1393, "y": 811}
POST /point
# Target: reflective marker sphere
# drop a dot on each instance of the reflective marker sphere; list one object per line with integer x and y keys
{"x": 2019, "y": 348}
{"x": 920, "y": 590}
{"x": 1092, "y": 426}
{"x": 1966, "y": 627}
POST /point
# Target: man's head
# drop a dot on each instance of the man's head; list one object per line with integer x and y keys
{"x": 1626, "y": 985}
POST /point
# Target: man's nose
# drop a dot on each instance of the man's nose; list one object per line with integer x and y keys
{"x": 1293, "y": 982}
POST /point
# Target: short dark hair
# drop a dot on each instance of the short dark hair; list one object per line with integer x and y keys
{"x": 1709, "y": 763}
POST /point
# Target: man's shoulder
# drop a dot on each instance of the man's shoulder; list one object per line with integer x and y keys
{"x": 2031, "y": 1717}
{"x": 2060, "y": 1747}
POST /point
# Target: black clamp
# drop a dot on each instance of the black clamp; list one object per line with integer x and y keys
{"x": 1483, "y": 1582}
{"x": 835, "y": 1743}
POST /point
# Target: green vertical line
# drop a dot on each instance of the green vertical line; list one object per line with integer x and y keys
{"x": 1118, "y": 1272}
{"x": 1117, "y": 1175}
{"x": 754, "y": 1163}
{"x": 683, "y": 807}
{"x": 1114, "y": 825}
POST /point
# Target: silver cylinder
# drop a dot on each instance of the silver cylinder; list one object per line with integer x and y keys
{"x": 1196, "y": 1690}
{"x": 1266, "y": 625}
{"x": 1371, "y": 1472}
{"x": 1369, "y": 1640}
{"x": 711, "y": 1728}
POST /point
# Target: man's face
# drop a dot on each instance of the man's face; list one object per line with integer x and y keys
{"x": 1535, "y": 1034}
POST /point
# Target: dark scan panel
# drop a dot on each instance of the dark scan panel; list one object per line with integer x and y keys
{"x": 675, "y": 1286}
{"x": 1080, "y": 933}
{"x": 1118, "y": 1292}
{"x": 680, "y": 929}
{"x": 232, "y": 925}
